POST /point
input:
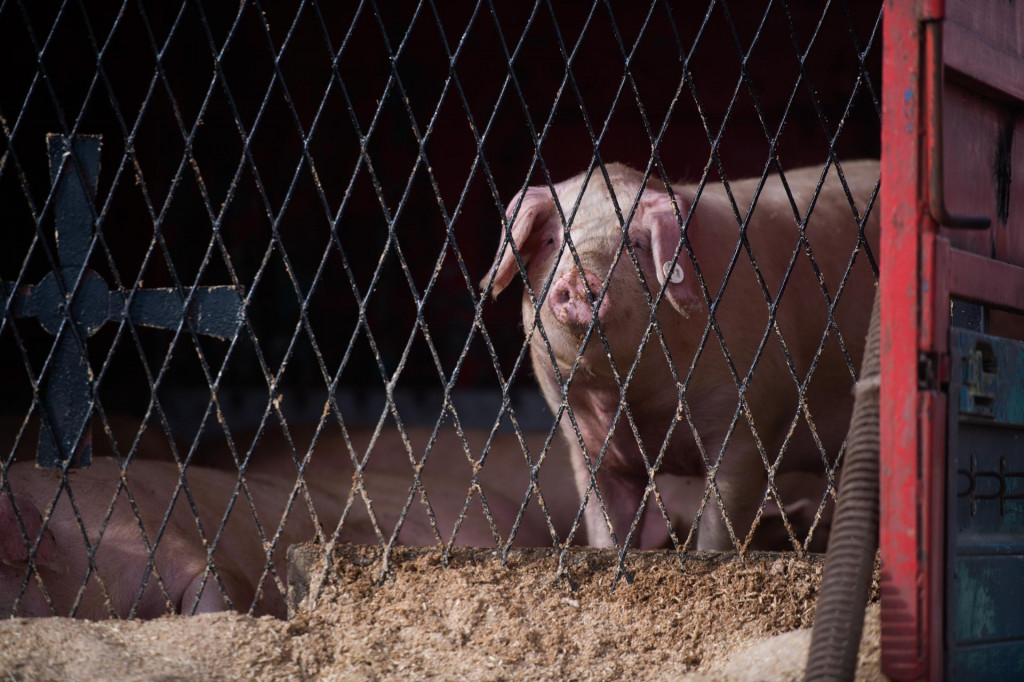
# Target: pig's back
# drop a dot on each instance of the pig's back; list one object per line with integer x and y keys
{"x": 803, "y": 276}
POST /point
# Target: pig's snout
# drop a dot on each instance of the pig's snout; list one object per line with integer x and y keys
{"x": 569, "y": 302}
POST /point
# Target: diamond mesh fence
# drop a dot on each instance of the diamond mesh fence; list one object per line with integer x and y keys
{"x": 249, "y": 298}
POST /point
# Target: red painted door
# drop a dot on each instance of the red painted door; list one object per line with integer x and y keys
{"x": 953, "y": 228}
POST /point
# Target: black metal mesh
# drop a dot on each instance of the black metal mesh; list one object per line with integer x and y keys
{"x": 345, "y": 167}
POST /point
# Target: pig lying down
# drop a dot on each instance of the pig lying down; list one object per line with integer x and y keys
{"x": 727, "y": 414}
{"x": 122, "y": 560}
{"x": 122, "y": 576}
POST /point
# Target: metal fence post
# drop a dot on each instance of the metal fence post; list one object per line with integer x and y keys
{"x": 73, "y": 302}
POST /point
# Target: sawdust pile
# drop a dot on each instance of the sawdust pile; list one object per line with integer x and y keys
{"x": 475, "y": 619}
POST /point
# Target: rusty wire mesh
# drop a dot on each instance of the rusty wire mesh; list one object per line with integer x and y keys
{"x": 345, "y": 168}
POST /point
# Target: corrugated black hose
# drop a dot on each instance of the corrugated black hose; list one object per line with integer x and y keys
{"x": 839, "y": 617}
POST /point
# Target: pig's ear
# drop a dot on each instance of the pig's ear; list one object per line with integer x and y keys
{"x": 659, "y": 217}
{"x": 535, "y": 224}
{"x": 12, "y": 543}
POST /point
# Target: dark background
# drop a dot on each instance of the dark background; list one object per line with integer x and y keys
{"x": 213, "y": 134}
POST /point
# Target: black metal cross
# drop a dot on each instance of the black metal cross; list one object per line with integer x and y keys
{"x": 67, "y": 398}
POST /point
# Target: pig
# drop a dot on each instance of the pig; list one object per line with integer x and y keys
{"x": 122, "y": 561}
{"x": 701, "y": 425}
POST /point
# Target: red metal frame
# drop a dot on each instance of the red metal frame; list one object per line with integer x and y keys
{"x": 912, "y": 410}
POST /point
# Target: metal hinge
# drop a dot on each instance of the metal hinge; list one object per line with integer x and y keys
{"x": 932, "y": 371}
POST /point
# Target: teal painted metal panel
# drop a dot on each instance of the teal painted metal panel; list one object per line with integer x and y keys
{"x": 977, "y": 663}
{"x": 990, "y": 598}
{"x": 985, "y": 523}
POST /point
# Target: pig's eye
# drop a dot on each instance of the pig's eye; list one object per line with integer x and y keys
{"x": 551, "y": 241}
{"x": 637, "y": 244}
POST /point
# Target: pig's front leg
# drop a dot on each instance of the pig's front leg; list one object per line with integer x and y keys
{"x": 617, "y": 495}
{"x": 741, "y": 481}
{"x": 622, "y": 494}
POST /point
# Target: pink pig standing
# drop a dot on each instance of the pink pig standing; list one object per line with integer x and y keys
{"x": 705, "y": 421}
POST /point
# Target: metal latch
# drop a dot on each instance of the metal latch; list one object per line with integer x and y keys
{"x": 980, "y": 382}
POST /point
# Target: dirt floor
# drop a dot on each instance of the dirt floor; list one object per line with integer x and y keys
{"x": 475, "y": 619}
